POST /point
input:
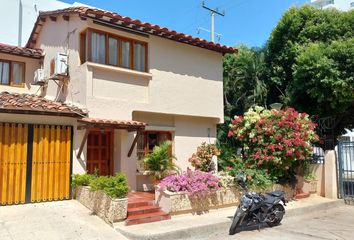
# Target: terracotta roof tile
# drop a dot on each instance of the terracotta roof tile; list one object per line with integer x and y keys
{"x": 127, "y": 22}
{"x": 113, "y": 123}
{"x": 21, "y": 51}
{"x": 30, "y": 103}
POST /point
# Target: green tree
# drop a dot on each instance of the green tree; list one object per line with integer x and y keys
{"x": 323, "y": 78}
{"x": 244, "y": 85}
{"x": 306, "y": 64}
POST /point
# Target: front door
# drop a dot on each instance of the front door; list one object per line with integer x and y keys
{"x": 99, "y": 152}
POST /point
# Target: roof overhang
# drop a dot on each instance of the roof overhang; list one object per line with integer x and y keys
{"x": 87, "y": 123}
{"x": 24, "y": 103}
{"x": 94, "y": 123}
{"x": 21, "y": 51}
{"x": 115, "y": 19}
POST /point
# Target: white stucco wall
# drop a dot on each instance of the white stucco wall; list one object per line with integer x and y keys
{"x": 343, "y": 5}
{"x": 31, "y": 65}
{"x": 17, "y": 18}
{"x": 183, "y": 79}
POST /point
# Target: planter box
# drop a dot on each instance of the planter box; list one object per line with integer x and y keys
{"x": 110, "y": 210}
{"x": 289, "y": 191}
{"x": 178, "y": 203}
{"x": 309, "y": 186}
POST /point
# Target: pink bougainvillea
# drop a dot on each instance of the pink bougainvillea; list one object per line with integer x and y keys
{"x": 274, "y": 139}
{"x": 194, "y": 183}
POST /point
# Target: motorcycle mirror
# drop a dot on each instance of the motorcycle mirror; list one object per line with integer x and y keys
{"x": 241, "y": 177}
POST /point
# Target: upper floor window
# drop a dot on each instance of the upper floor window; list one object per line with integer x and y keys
{"x": 12, "y": 73}
{"x": 105, "y": 48}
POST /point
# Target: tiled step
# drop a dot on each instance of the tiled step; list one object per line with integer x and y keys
{"x": 143, "y": 210}
{"x": 147, "y": 218}
{"x": 139, "y": 203}
{"x": 302, "y": 195}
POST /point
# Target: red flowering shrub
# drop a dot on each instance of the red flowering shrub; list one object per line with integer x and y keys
{"x": 274, "y": 140}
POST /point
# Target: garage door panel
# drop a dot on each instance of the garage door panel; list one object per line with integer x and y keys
{"x": 50, "y": 162}
{"x": 13, "y": 156}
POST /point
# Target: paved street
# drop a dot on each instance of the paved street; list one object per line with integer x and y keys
{"x": 336, "y": 223}
{"x": 53, "y": 221}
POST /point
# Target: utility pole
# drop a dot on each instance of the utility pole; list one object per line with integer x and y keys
{"x": 213, "y": 12}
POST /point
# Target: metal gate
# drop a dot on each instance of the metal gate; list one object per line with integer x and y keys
{"x": 35, "y": 163}
{"x": 346, "y": 171}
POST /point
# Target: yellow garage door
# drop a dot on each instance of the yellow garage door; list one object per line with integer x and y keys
{"x": 35, "y": 163}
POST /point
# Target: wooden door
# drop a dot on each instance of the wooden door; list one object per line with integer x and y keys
{"x": 100, "y": 152}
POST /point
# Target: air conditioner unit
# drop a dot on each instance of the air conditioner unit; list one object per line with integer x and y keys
{"x": 61, "y": 64}
{"x": 39, "y": 76}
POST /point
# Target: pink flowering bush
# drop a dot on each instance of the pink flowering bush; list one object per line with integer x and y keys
{"x": 202, "y": 159}
{"x": 194, "y": 183}
{"x": 274, "y": 140}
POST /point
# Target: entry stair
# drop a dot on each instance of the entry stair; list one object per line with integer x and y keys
{"x": 143, "y": 209}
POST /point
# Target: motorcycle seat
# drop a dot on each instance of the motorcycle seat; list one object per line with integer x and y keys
{"x": 269, "y": 199}
{"x": 276, "y": 193}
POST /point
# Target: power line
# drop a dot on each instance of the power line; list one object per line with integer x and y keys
{"x": 213, "y": 12}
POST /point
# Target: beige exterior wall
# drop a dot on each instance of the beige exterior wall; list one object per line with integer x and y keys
{"x": 183, "y": 79}
{"x": 181, "y": 93}
{"x": 31, "y": 65}
{"x": 187, "y": 132}
{"x": 79, "y": 165}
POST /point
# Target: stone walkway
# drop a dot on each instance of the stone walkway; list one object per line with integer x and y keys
{"x": 53, "y": 221}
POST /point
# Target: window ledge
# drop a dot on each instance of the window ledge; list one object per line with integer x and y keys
{"x": 119, "y": 69}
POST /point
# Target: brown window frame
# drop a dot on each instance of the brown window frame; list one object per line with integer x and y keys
{"x": 146, "y": 143}
{"x": 11, "y": 64}
{"x": 86, "y": 48}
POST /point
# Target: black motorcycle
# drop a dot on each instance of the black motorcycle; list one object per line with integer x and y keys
{"x": 256, "y": 208}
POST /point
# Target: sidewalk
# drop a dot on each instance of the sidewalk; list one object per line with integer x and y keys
{"x": 188, "y": 225}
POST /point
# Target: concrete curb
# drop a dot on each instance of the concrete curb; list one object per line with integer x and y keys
{"x": 204, "y": 230}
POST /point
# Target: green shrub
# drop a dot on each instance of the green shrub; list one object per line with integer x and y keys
{"x": 114, "y": 186}
{"x": 256, "y": 178}
{"x": 81, "y": 180}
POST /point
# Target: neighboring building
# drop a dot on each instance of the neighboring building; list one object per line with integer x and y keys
{"x": 17, "y": 18}
{"x": 161, "y": 84}
{"x": 343, "y": 5}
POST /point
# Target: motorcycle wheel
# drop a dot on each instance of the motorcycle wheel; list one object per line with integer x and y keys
{"x": 276, "y": 215}
{"x": 235, "y": 221}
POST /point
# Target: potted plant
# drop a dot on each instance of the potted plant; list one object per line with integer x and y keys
{"x": 310, "y": 183}
{"x": 160, "y": 162}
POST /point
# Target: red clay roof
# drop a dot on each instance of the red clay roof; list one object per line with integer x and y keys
{"x": 33, "y": 104}
{"x": 128, "y": 23}
{"x": 123, "y": 124}
{"x": 21, "y": 51}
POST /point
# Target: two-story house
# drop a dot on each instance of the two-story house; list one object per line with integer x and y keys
{"x": 128, "y": 86}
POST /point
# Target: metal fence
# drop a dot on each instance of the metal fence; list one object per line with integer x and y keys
{"x": 346, "y": 171}
{"x": 317, "y": 155}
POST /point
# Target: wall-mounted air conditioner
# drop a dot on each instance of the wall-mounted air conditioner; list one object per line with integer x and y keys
{"x": 60, "y": 63}
{"x": 39, "y": 76}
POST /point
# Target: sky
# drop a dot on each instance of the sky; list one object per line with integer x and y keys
{"x": 247, "y": 22}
